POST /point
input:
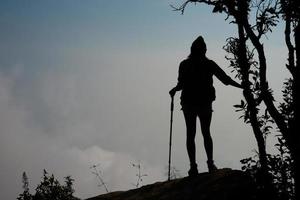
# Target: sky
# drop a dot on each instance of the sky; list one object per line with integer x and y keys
{"x": 85, "y": 82}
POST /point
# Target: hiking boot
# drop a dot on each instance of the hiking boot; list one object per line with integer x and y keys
{"x": 193, "y": 170}
{"x": 211, "y": 166}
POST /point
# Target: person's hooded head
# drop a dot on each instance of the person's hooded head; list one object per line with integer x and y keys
{"x": 198, "y": 48}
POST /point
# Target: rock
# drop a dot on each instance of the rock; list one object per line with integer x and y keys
{"x": 224, "y": 184}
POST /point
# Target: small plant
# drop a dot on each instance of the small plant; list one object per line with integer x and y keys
{"x": 139, "y": 174}
{"x": 98, "y": 173}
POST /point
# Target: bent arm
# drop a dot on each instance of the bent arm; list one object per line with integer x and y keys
{"x": 179, "y": 85}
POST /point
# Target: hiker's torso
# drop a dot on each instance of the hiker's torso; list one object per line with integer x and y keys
{"x": 197, "y": 82}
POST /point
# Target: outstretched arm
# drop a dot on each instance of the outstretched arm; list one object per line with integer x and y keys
{"x": 224, "y": 78}
{"x": 235, "y": 84}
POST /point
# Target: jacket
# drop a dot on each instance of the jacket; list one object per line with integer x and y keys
{"x": 195, "y": 79}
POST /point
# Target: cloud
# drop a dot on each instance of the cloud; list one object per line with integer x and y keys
{"x": 62, "y": 123}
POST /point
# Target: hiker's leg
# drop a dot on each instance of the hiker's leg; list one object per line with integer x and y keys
{"x": 190, "y": 121}
{"x": 205, "y": 121}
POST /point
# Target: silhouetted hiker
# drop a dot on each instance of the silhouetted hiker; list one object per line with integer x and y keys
{"x": 195, "y": 79}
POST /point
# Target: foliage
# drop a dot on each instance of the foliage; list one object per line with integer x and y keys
{"x": 26, "y": 194}
{"x": 280, "y": 165}
{"x": 286, "y": 107}
{"x": 49, "y": 189}
{"x": 253, "y": 82}
{"x": 280, "y": 169}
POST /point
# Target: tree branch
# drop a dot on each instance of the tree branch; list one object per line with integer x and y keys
{"x": 291, "y": 49}
{"x": 266, "y": 95}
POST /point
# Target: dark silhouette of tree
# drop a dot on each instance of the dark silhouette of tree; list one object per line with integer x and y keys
{"x": 26, "y": 193}
{"x": 257, "y": 93}
{"x": 49, "y": 189}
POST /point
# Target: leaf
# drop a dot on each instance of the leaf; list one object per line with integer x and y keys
{"x": 237, "y": 106}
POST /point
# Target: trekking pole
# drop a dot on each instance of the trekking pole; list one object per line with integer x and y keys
{"x": 170, "y": 142}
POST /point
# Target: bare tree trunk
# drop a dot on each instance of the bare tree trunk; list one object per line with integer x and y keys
{"x": 244, "y": 65}
{"x": 250, "y": 100}
{"x": 266, "y": 95}
{"x": 292, "y": 137}
{"x": 252, "y": 106}
{"x": 295, "y": 131}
